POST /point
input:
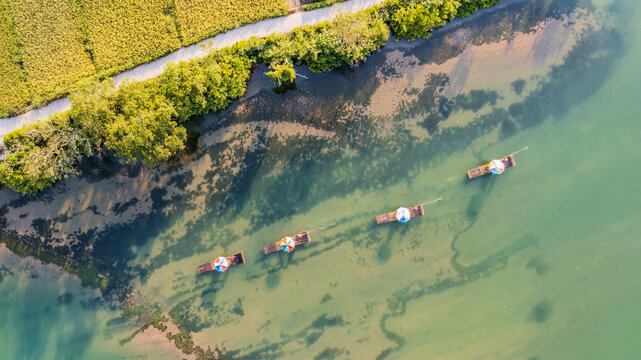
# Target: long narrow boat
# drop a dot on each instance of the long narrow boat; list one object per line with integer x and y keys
{"x": 495, "y": 166}
{"x": 403, "y": 214}
{"x": 288, "y": 243}
{"x": 222, "y": 263}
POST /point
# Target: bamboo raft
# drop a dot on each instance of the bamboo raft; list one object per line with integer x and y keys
{"x": 416, "y": 210}
{"x": 235, "y": 259}
{"x": 508, "y": 161}
{"x": 299, "y": 239}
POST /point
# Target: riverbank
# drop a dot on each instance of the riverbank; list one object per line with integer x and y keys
{"x": 155, "y": 68}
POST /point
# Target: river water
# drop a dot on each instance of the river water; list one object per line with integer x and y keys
{"x": 540, "y": 262}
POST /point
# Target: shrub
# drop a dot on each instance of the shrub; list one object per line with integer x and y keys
{"x": 471, "y": 6}
{"x": 42, "y": 153}
{"x": 413, "y": 20}
{"x": 320, "y": 4}
{"x": 348, "y": 39}
{"x": 281, "y": 73}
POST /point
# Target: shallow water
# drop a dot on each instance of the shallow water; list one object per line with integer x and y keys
{"x": 536, "y": 263}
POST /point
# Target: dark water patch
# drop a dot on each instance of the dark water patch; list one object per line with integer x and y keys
{"x": 120, "y": 208}
{"x": 326, "y": 298}
{"x": 238, "y": 308}
{"x": 44, "y": 227}
{"x": 272, "y": 281}
{"x": 384, "y": 253}
{"x": 538, "y": 264}
{"x": 65, "y": 299}
{"x": 541, "y": 312}
{"x": 312, "y": 337}
{"x": 518, "y": 86}
{"x": 330, "y": 354}
{"x": 325, "y": 321}
{"x": 474, "y": 100}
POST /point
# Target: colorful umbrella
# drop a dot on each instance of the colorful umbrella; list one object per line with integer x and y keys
{"x": 287, "y": 244}
{"x": 403, "y": 215}
{"x": 221, "y": 264}
{"x": 497, "y": 167}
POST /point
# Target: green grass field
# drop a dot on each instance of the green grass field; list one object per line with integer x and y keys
{"x": 48, "y": 46}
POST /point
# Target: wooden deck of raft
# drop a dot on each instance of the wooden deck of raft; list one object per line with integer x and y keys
{"x": 235, "y": 259}
{"x": 508, "y": 161}
{"x": 302, "y": 238}
{"x": 391, "y": 216}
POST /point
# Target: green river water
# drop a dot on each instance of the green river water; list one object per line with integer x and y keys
{"x": 541, "y": 262}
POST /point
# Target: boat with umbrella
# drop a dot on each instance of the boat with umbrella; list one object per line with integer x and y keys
{"x": 222, "y": 263}
{"x": 404, "y": 214}
{"x": 288, "y": 243}
{"x": 495, "y": 167}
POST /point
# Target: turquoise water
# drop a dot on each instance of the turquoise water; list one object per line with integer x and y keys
{"x": 539, "y": 262}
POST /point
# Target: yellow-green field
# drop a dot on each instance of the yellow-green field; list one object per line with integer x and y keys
{"x": 49, "y": 37}
{"x": 13, "y": 92}
{"x": 202, "y": 18}
{"x": 125, "y": 33}
{"x": 48, "y": 46}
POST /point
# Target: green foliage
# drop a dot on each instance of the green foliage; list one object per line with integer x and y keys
{"x": 320, "y": 4}
{"x": 199, "y": 19}
{"x": 199, "y": 87}
{"x": 471, "y": 6}
{"x": 416, "y": 19}
{"x": 143, "y": 128}
{"x": 348, "y": 39}
{"x": 122, "y": 33}
{"x": 42, "y": 153}
{"x": 281, "y": 73}
{"x": 139, "y": 121}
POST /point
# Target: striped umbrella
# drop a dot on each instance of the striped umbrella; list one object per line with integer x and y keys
{"x": 221, "y": 264}
{"x": 287, "y": 244}
{"x": 497, "y": 167}
{"x": 403, "y": 215}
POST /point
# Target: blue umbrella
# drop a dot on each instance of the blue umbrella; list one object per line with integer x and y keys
{"x": 403, "y": 215}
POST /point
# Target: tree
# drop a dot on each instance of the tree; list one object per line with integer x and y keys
{"x": 42, "y": 153}
{"x": 144, "y": 127}
{"x": 281, "y": 73}
{"x": 413, "y": 20}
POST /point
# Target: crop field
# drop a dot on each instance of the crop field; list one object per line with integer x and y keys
{"x": 124, "y": 33}
{"x": 199, "y": 19}
{"x": 48, "y": 35}
{"x": 13, "y": 92}
{"x": 48, "y": 46}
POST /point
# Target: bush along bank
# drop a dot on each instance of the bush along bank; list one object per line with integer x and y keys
{"x": 142, "y": 120}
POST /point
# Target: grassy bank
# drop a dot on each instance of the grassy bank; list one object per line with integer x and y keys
{"x": 141, "y": 120}
{"x": 50, "y": 48}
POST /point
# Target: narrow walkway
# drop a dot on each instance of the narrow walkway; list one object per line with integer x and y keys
{"x": 156, "y": 67}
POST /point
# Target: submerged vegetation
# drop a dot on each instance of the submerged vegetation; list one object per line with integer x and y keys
{"x": 141, "y": 120}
